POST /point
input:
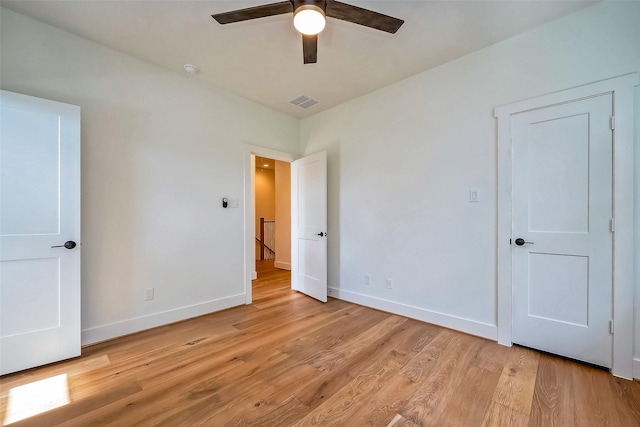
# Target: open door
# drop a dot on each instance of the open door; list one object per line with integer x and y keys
{"x": 309, "y": 226}
{"x": 39, "y": 232}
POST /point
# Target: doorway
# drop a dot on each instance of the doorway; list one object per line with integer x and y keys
{"x": 309, "y": 229}
{"x": 272, "y": 205}
{"x": 251, "y": 152}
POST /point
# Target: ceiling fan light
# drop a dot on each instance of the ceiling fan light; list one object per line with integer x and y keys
{"x": 309, "y": 19}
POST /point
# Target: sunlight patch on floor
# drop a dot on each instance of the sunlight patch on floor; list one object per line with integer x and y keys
{"x": 37, "y": 397}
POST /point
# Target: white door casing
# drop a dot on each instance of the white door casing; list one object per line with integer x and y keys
{"x": 309, "y": 225}
{"x": 622, "y": 92}
{"x": 39, "y": 209}
{"x": 562, "y": 208}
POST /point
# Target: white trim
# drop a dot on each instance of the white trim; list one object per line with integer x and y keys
{"x": 623, "y": 246}
{"x": 137, "y": 324}
{"x": 468, "y": 326}
{"x": 250, "y": 151}
{"x": 282, "y": 265}
{"x": 636, "y": 368}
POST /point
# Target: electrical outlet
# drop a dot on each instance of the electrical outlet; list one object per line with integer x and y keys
{"x": 389, "y": 283}
{"x": 148, "y": 294}
{"x": 474, "y": 195}
{"x": 367, "y": 279}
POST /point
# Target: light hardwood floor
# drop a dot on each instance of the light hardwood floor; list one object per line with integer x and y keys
{"x": 288, "y": 360}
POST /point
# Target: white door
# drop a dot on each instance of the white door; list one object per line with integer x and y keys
{"x": 309, "y": 225}
{"x": 562, "y": 208}
{"x": 39, "y": 210}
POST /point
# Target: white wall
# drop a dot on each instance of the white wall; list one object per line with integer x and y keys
{"x": 403, "y": 159}
{"x": 159, "y": 151}
{"x": 265, "y": 200}
{"x": 283, "y": 215}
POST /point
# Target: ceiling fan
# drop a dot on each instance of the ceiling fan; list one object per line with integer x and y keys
{"x": 309, "y": 18}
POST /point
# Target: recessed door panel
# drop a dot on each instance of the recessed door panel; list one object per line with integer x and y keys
{"x": 559, "y": 288}
{"x": 42, "y": 276}
{"x": 558, "y": 167}
{"x": 30, "y": 181}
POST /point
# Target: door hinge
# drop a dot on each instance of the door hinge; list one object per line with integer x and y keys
{"x": 611, "y": 326}
{"x": 612, "y": 225}
{"x": 612, "y": 122}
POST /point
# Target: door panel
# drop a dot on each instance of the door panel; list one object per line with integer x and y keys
{"x": 30, "y": 181}
{"x": 44, "y": 288}
{"x": 565, "y": 303}
{"x": 560, "y": 179}
{"x": 309, "y": 225}
{"x": 39, "y": 209}
{"x": 562, "y": 207}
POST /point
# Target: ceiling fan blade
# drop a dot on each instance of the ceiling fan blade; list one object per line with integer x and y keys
{"x": 366, "y": 17}
{"x": 254, "y": 12}
{"x": 310, "y": 49}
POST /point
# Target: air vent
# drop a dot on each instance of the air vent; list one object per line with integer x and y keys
{"x": 304, "y": 102}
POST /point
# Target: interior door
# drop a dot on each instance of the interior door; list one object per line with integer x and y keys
{"x": 39, "y": 213}
{"x": 562, "y": 229}
{"x": 309, "y": 225}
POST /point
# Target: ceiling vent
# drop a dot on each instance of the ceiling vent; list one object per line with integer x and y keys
{"x": 304, "y": 102}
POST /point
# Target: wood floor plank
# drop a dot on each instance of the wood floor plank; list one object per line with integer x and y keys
{"x": 383, "y": 406}
{"x": 627, "y": 398}
{"x": 341, "y": 365}
{"x": 469, "y": 403}
{"x": 329, "y": 359}
{"x": 85, "y": 406}
{"x": 289, "y": 359}
{"x": 337, "y": 409}
{"x": 499, "y": 415}
{"x": 428, "y": 402}
{"x": 420, "y": 367}
{"x": 553, "y": 397}
{"x": 517, "y": 380}
{"x": 491, "y": 357}
{"x": 596, "y": 410}
{"x": 400, "y": 421}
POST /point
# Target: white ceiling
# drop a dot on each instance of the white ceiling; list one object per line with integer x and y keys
{"x": 262, "y": 59}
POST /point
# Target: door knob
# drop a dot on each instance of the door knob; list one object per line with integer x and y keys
{"x": 69, "y": 245}
{"x": 520, "y": 241}
{"x": 321, "y": 234}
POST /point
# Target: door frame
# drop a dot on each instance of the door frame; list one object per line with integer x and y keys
{"x": 250, "y": 151}
{"x": 622, "y": 89}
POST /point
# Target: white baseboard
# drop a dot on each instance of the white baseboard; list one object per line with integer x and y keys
{"x": 636, "y": 368}
{"x": 472, "y": 327}
{"x": 117, "y": 329}
{"x": 254, "y": 275}
{"x": 282, "y": 265}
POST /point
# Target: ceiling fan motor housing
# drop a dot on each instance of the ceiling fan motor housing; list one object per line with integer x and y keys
{"x": 308, "y": 4}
